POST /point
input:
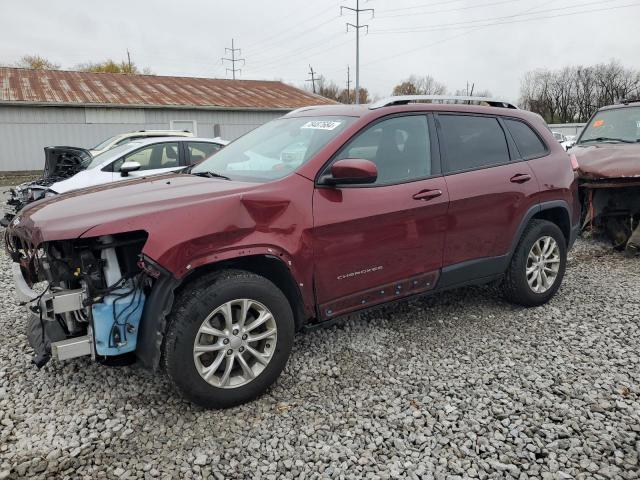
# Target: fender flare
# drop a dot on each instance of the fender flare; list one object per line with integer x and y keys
{"x": 159, "y": 303}
{"x": 533, "y": 210}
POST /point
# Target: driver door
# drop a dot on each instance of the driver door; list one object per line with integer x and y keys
{"x": 374, "y": 243}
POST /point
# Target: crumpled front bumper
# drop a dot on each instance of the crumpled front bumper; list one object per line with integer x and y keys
{"x": 44, "y": 333}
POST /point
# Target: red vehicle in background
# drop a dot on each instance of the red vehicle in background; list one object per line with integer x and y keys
{"x": 325, "y": 211}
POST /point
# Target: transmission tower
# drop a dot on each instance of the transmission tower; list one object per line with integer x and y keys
{"x": 357, "y": 28}
{"x": 233, "y": 59}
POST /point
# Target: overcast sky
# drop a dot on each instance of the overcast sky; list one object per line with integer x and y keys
{"x": 491, "y": 43}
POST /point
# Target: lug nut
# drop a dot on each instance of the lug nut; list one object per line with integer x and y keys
{"x": 245, "y": 336}
{"x": 241, "y": 349}
{"x": 225, "y": 341}
{"x": 229, "y": 352}
{"x": 235, "y": 332}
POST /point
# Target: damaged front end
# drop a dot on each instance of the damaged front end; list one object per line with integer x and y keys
{"x": 86, "y": 296}
{"x": 60, "y": 164}
{"x": 612, "y": 206}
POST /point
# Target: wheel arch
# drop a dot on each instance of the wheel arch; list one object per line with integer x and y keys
{"x": 271, "y": 267}
{"x": 555, "y": 211}
{"x": 154, "y": 324}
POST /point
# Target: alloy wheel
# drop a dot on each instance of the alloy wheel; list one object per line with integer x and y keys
{"x": 543, "y": 264}
{"x": 235, "y": 343}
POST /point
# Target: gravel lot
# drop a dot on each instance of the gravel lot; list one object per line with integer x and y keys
{"x": 456, "y": 386}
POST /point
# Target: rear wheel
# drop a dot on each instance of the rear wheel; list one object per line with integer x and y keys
{"x": 537, "y": 266}
{"x": 230, "y": 335}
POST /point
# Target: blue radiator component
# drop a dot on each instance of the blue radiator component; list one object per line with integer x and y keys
{"x": 115, "y": 335}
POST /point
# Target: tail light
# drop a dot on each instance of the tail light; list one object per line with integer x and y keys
{"x": 574, "y": 162}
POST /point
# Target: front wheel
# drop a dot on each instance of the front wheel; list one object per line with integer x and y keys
{"x": 230, "y": 335}
{"x": 537, "y": 266}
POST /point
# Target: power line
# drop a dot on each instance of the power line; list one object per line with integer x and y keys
{"x": 507, "y": 19}
{"x": 277, "y": 57}
{"x": 269, "y": 39}
{"x": 457, "y": 9}
{"x": 233, "y": 59}
{"x": 491, "y": 19}
{"x": 478, "y": 27}
{"x": 357, "y": 28}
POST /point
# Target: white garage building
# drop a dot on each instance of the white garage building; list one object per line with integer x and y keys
{"x": 40, "y": 108}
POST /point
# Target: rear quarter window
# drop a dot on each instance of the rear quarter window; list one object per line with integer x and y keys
{"x": 527, "y": 141}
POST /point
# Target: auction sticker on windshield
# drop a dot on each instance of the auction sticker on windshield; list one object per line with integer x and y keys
{"x": 321, "y": 124}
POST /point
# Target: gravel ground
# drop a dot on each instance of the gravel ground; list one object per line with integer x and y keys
{"x": 461, "y": 385}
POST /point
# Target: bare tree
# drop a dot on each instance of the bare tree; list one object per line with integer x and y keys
{"x": 110, "y": 66}
{"x": 572, "y": 94}
{"x": 415, "y": 85}
{"x": 36, "y": 62}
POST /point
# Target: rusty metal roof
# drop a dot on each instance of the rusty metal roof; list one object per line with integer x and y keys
{"x": 58, "y": 87}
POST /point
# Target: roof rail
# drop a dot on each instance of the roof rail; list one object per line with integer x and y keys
{"x": 405, "y": 99}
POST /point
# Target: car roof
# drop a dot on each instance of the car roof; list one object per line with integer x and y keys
{"x": 140, "y": 142}
{"x": 635, "y": 103}
{"x": 363, "y": 111}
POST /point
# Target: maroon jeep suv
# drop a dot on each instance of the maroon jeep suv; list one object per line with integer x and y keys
{"x": 208, "y": 273}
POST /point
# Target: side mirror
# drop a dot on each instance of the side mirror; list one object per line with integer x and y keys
{"x": 129, "y": 167}
{"x": 351, "y": 171}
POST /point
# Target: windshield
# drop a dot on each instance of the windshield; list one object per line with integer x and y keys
{"x": 112, "y": 153}
{"x": 275, "y": 149}
{"x": 616, "y": 125}
{"x": 106, "y": 143}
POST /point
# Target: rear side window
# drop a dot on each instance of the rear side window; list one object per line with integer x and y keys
{"x": 528, "y": 143}
{"x": 472, "y": 142}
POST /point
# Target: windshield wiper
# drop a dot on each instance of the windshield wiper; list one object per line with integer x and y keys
{"x": 608, "y": 139}
{"x": 210, "y": 175}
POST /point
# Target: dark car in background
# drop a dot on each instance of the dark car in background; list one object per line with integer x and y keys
{"x": 608, "y": 155}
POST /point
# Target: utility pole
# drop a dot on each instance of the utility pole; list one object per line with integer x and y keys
{"x": 348, "y": 86}
{"x": 357, "y": 27}
{"x": 128, "y": 61}
{"x": 233, "y": 59}
{"x": 313, "y": 78}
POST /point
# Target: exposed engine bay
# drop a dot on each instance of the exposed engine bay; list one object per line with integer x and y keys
{"x": 86, "y": 295}
{"x": 613, "y": 208}
{"x": 60, "y": 163}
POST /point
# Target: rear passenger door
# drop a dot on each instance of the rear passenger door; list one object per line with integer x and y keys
{"x": 490, "y": 191}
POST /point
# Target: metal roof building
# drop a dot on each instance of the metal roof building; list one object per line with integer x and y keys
{"x": 40, "y": 108}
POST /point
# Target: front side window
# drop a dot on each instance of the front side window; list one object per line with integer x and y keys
{"x": 617, "y": 125}
{"x": 528, "y": 143}
{"x": 198, "y": 151}
{"x": 472, "y": 142}
{"x": 399, "y": 147}
{"x": 275, "y": 149}
{"x": 152, "y": 157}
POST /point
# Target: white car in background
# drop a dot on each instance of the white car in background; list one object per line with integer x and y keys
{"x": 123, "y": 138}
{"x": 140, "y": 158}
{"x": 69, "y": 168}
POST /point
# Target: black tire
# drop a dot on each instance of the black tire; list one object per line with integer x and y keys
{"x": 515, "y": 287}
{"x": 193, "y": 305}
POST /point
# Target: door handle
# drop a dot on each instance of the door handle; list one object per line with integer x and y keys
{"x": 520, "y": 178}
{"x": 427, "y": 194}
